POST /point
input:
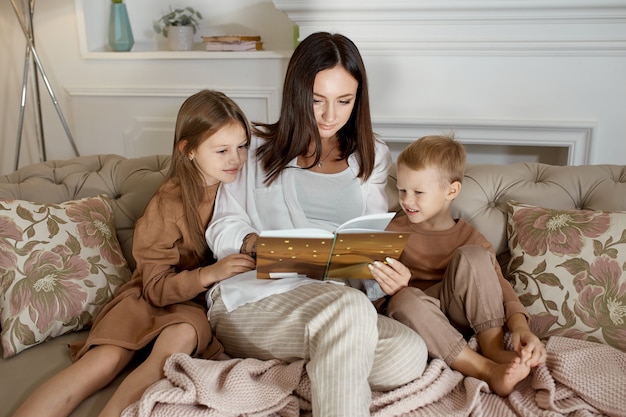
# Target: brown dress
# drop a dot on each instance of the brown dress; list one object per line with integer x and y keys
{"x": 165, "y": 288}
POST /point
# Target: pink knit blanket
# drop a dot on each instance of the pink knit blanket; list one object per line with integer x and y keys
{"x": 579, "y": 379}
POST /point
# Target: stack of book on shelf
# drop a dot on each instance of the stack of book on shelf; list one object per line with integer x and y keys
{"x": 233, "y": 43}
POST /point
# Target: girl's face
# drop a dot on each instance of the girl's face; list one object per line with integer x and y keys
{"x": 334, "y": 93}
{"x": 220, "y": 157}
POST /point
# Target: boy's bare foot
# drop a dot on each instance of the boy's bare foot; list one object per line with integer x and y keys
{"x": 503, "y": 356}
{"x": 504, "y": 376}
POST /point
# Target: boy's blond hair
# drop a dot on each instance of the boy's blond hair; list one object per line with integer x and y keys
{"x": 441, "y": 152}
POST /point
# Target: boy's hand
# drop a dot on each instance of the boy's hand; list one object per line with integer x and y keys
{"x": 392, "y": 275}
{"x": 529, "y": 346}
{"x": 525, "y": 342}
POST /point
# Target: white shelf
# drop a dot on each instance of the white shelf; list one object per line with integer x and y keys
{"x": 92, "y": 20}
{"x": 195, "y": 54}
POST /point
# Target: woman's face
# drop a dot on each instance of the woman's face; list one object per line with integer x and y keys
{"x": 222, "y": 155}
{"x": 334, "y": 93}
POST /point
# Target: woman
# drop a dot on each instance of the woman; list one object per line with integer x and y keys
{"x": 317, "y": 166}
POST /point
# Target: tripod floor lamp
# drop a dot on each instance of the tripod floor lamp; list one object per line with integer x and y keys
{"x": 31, "y": 58}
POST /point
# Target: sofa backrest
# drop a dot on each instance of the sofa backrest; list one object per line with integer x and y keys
{"x": 487, "y": 188}
{"x": 129, "y": 183}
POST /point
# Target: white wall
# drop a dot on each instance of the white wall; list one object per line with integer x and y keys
{"x": 516, "y": 80}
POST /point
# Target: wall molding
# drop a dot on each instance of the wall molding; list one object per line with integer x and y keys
{"x": 576, "y": 137}
{"x": 144, "y": 135}
{"x": 268, "y": 95}
{"x": 454, "y": 9}
{"x": 486, "y": 27}
{"x": 149, "y": 135}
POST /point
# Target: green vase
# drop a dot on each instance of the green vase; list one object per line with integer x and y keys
{"x": 120, "y": 32}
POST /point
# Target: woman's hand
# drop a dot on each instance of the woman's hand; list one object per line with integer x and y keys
{"x": 226, "y": 268}
{"x": 392, "y": 275}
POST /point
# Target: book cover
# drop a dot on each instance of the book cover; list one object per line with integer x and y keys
{"x": 234, "y": 46}
{"x": 231, "y": 38}
{"x": 321, "y": 254}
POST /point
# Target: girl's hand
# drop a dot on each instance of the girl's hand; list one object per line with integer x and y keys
{"x": 226, "y": 268}
{"x": 392, "y": 275}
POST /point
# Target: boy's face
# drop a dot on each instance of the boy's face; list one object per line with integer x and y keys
{"x": 424, "y": 198}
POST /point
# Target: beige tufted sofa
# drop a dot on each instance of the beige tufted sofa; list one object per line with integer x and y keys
{"x": 131, "y": 182}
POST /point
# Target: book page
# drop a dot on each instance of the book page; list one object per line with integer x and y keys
{"x": 306, "y": 232}
{"x": 369, "y": 222}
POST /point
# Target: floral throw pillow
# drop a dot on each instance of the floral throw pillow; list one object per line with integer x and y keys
{"x": 568, "y": 269}
{"x": 59, "y": 265}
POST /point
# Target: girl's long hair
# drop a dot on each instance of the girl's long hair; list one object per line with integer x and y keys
{"x": 290, "y": 136}
{"x": 199, "y": 117}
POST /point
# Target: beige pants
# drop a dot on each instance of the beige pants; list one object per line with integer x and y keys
{"x": 468, "y": 300}
{"x": 350, "y": 349}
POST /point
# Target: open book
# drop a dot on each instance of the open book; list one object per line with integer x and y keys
{"x": 320, "y": 254}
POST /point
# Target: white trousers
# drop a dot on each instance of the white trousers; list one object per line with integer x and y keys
{"x": 350, "y": 348}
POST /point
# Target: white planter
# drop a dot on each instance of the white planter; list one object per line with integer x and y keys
{"x": 180, "y": 38}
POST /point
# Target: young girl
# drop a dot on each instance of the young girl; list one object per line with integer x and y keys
{"x": 162, "y": 307}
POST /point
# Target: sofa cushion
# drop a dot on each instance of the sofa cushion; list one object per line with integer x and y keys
{"x": 24, "y": 373}
{"x": 60, "y": 264}
{"x": 568, "y": 267}
{"x": 129, "y": 183}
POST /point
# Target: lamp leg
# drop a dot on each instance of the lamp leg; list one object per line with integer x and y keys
{"x": 40, "y": 130}
{"x": 38, "y": 66}
{"x": 22, "y": 107}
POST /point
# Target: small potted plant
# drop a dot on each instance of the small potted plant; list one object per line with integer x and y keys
{"x": 178, "y": 26}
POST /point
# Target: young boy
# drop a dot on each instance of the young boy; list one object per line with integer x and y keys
{"x": 447, "y": 284}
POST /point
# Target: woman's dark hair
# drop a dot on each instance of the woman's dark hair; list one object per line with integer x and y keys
{"x": 200, "y": 116}
{"x": 291, "y": 135}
